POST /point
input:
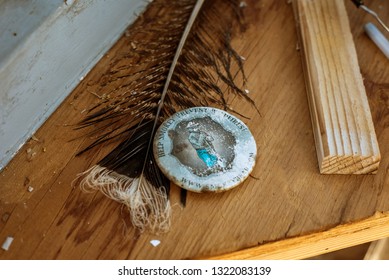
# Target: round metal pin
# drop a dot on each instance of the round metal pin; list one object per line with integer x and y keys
{"x": 205, "y": 149}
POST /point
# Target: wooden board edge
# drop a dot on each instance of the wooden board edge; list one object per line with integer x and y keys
{"x": 343, "y": 236}
{"x": 378, "y": 250}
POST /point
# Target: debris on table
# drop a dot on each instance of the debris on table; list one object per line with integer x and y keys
{"x": 155, "y": 242}
{"x": 7, "y": 243}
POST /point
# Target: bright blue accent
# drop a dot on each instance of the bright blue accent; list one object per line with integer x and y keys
{"x": 209, "y": 159}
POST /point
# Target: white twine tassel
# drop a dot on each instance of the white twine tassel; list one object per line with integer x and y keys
{"x": 149, "y": 206}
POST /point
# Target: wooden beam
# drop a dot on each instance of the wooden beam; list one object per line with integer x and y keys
{"x": 378, "y": 250}
{"x": 344, "y": 133}
{"x": 310, "y": 245}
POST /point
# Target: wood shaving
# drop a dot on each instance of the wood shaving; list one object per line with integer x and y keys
{"x": 30, "y": 154}
{"x": 5, "y": 217}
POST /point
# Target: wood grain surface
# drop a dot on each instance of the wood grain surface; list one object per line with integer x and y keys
{"x": 344, "y": 132}
{"x": 286, "y": 197}
{"x": 300, "y": 247}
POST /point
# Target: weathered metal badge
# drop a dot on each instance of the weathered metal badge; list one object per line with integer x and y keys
{"x": 205, "y": 149}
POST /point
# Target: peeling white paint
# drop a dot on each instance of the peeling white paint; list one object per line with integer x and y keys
{"x": 7, "y": 243}
{"x": 49, "y": 46}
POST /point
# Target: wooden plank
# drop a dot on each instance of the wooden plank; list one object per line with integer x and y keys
{"x": 286, "y": 198}
{"x": 303, "y": 247}
{"x": 344, "y": 133}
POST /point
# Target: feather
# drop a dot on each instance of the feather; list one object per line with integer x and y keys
{"x": 180, "y": 57}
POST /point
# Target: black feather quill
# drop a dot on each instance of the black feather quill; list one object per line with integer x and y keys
{"x": 180, "y": 57}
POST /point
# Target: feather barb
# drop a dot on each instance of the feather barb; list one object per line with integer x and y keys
{"x": 179, "y": 53}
